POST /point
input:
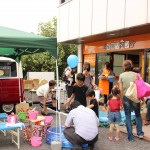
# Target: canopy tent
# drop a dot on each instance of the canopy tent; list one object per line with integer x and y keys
{"x": 14, "y": 43}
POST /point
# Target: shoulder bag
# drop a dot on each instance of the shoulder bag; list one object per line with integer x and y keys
{"x": 131, "y": 93}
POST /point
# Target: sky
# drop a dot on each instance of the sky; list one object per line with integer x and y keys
{"x": 25, "y": 15}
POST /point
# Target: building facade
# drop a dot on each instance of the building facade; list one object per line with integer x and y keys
{"x": 107, "y": 30}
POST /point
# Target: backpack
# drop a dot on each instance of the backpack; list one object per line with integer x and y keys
{"x": 64, "y": 77}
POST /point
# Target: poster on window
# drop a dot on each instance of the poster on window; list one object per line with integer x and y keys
{"x": 5, "y": 71}
{"x": 91, "y": 59}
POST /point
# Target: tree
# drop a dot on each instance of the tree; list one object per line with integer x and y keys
{"x": 45, "y": 61}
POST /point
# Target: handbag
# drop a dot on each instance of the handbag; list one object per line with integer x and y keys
{"x": 111, "y": 78}
{"x": 143, "y": 89}
{"x": 131, "y": 93}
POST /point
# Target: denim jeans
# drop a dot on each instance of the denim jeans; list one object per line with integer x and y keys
{"x": 128, "y": 107}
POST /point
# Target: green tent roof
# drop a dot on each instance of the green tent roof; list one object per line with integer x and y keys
{"x": 14, "y": 43}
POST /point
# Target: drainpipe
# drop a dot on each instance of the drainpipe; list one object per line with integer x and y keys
{"x": 80, "y": 58}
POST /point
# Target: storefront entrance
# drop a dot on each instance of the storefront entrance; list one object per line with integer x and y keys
{"x": 147, "y": 66}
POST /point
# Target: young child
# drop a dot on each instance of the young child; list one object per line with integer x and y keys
{"x": 79, "y": 91}
{"x": 114, "y": 116}
{"x": 90, "y": 96}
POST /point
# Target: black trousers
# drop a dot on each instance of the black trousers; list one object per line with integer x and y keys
{"x": 76, "y": 140}
{"x": 105, "y": 96}
{"x": 69, "y": 90}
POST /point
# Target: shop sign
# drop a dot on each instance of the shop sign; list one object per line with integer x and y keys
{"x": 119, "y": 45}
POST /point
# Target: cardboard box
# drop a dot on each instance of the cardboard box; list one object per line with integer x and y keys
{"x": 42, "y": 82}
{"x": 23, "y": 105}
{"x": 35, "y": 83}
{"x": 22, "y": 110}
{"x": 28, "y": 84}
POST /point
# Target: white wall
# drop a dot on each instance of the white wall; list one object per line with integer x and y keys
{"x": 99, "y": 16}
{"x": 74, "y": 19}
{"x": 81, "y": 18}
{"x": 40, "y": 75}
{"x": 63, "y": 22}
{"x": 136, "y": 12}
{"x": 85, "y": 17}
{"x": 115, "y": 15}
{"x": 148, "y": 5}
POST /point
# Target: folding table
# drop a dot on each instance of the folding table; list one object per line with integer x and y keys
{"x": 3, "y": 117}
{"x": 14, "y": 130}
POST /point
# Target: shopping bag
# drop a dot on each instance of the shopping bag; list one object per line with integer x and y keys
{"x": 143, "y": 89}
{"x": 131, "y": 93}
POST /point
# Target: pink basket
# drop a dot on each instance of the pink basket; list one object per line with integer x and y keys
{"x": 48, "y": 119}
{"x": 36, "y": 141}
{"x": 33, "y": 115}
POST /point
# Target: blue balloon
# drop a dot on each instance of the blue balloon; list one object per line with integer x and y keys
{"x": 72, "y": 61}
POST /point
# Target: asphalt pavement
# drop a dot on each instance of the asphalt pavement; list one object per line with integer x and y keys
{"x": 102, "y": 144}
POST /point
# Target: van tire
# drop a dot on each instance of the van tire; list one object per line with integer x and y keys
{"x": 8, "y": 108}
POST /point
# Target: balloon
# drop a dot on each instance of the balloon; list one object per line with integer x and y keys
{"x": 72, "y": 61}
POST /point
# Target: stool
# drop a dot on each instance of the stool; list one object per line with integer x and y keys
{"x": 3, "y": 117}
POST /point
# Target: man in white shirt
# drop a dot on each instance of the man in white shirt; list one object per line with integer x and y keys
{"x": 81, "y": 126}
{"x": 45, "y": 93}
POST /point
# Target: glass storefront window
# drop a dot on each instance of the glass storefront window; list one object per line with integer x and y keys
{"x": 117, "y": 64}
{"x": 101, "y": 59}
{"x": 148, "y": 68}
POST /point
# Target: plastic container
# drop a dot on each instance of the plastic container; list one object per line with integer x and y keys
{"x": 97, "y": 94}
{"x": 12, "y": 118}
{"x": 36, "y": 141}
{"x": 48, "y": 119}
{"x": 33, "y": 115}
{"x": 53, "y": 134}
{"x": 22, "y": 115}
{"x": 111, "y": 78}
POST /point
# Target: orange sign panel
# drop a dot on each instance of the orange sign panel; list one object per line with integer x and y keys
{"x": 119, "y": 44}
{"x": 90, "y": 58}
